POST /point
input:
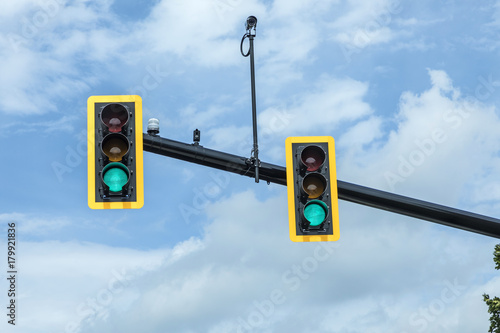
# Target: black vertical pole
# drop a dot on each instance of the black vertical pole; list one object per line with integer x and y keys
{"x": 251, "y": 26}
{"x": 254, "y": 111}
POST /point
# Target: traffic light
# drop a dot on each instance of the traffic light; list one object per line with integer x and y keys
{"x": 312, "y": 189}
{"x": 115, "y": 165}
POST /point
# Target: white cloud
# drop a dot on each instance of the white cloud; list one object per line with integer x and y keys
{"x": 198, "y": 31}
{"x": 246, "y": 272}
{"x": 363, "y": 132}
{"x": 62, "y": 284}
{"x": 11, "y": 9}
{"x": 64, "y": 123}
{"x": 321, "y": 109}
{"x": 365, "y": 23}
{"x": 234, "y": 139}
{"x": 35, "y": 225}
{"x": 444, "y": 142}
{"x": 204, "y": 118}
{"x": 42, "y": 52}
{"x": 47, "y": 59}
{"x": 291, "y": 10}
{"x": 332, "y": 102}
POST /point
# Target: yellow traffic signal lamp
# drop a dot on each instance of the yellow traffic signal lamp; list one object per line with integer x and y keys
{"x": 312, "y": 189}
{"x": 115, "y": 152}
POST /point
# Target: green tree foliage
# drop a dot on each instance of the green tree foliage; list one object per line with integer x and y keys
{"x": 494, "y": 303}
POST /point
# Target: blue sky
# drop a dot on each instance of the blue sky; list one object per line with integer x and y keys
{"x": 409, "y": 90}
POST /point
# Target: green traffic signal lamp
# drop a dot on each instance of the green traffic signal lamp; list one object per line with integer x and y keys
{"x": 315, "y": 213}
{"x": 312, "y": 189}
{"x": 115, "y": 176}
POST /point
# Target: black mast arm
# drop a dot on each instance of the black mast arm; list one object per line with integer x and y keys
{"x": 271, "y": 173}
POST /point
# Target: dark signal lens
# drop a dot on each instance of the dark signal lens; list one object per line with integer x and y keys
{"x": 115, "y": 146}
{"x": 114, "y": 116}
{"x": 314, "y": 185}
{"x": 312, "y": 157}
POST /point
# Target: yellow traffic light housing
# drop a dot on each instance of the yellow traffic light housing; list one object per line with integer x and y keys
{"x": 312, "y": 189}
{"x": 115, "y": 152}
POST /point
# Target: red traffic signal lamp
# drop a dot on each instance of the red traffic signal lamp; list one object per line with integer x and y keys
{"x": 115, "y": 149}
{"x": 312, "y": 189}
